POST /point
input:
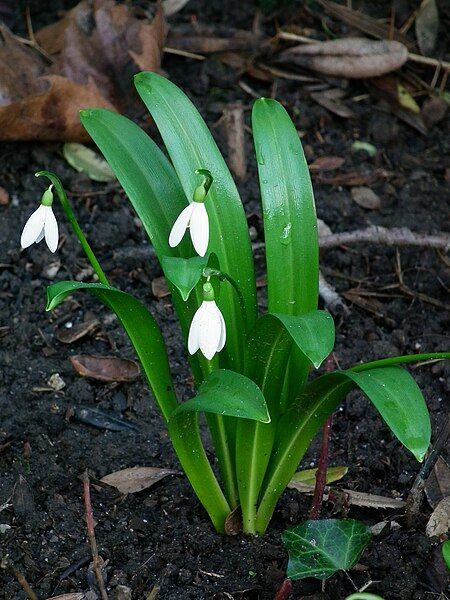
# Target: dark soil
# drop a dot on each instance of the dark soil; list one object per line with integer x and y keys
{"x": 161, "y": 537}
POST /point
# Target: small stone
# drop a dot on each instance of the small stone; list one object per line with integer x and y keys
{"x": 123, "y": 593}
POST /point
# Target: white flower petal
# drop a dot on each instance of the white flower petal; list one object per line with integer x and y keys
{"x": 199, "y": 228}
{"x": 209, "y": 330}
{"x": 51, "y": 229}
{"x": 223, "y": 332}
{"x": 33, "y": 227}
{"x": 193, "y": 338}
{"x": 40, "y": 236}
{"x": 180, "y": 225}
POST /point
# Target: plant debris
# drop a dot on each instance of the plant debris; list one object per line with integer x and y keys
{"x": 136, "y": 479}
{"x": 105, "y": 368}
{"x": 85, "y": 160}
{"x": 365, "y": 197}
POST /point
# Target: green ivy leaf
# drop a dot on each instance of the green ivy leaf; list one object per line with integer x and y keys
{"x": 184, "y": 273}
{"x": 320, "y": 548}
{"x": 230, "y": 394}
{"x": 446, "y": 553}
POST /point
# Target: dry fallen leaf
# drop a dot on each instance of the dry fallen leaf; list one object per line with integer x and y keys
{"x": 427, "y": 26}
{"x": 136, "y": 479}
{"x": 73, "y": 596}
{"x": 85, "y": 160}
{"x": 233, "y": 522}
{"x": 207, "y": 39}
{"x": 95, "y": 48}
{"x": 76, "y": 332}
{"x": 233, "y": 124}
{"x": 439, "y": 522}
{"x": 365, "y": 197}
{"x": 326, "y": 163}
{"x": 437, "y": 485}
{"x": 353, "y": 58}
{"x": 332, "y": 101}
{"x": 104, "y": 368}
{"x": 159, "y": 287}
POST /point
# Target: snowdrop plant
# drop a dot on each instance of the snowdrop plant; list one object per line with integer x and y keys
{"x": 252, "y": 371}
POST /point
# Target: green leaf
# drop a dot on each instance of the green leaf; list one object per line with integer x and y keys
{"x": 364, "y": 596}
{"x": 321, "y": 548}
{"x": 152, "y": 187}
{"x": 398, "y": 399}
{"x": 184, "y": 273}
{"x": 83, "y": 159}
{"x": 308, "y": 476}
{"x": 446, "y": 553}
{"x": 230, "y": 394}
{"x": 191, "y": 147}
{"x": 290, "y": 224}
{"x": 141, "y": 328}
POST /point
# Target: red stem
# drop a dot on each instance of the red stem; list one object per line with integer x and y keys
{"x": 284, "y": 590}
{"x": 321, "y": 474}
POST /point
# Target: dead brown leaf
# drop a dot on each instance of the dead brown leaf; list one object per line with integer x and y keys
{"x": 365, "y": 197}
{"x": 78, "y": 331}
{"x": 427, "y": 26}
{"x": 136, "y": 479}
{"x": 326, "y": 163}
{"x": 438, "y": 483}
{"x": 434, "y": 110}
{"x": 439, "y": 522}
{"x": 96, "y": 48}
{"x": 73, "y": 596}
{"x": 159, "y": 288}
{"x": 349, "y": 179}
{"x": 105, "y": 368}
{"x": 208, "y": 39}
{"x": 353, "y": 58}
{"x": 233, "y": 125}
{"x": 332, "y": 101}
{"x": 233, "y": 522}
{"x": 4, "y": 197}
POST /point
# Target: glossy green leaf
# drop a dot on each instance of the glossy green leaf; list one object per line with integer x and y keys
{"x": 152, "y": 187}
{"x": 399, "y": 401}
{"x": 446, "y": 553}
{"x": 184, "y": 273}
{"x": 229, "y": 394}
{"x": 308, "y": 476}
{"x": 191, "y": 147}
{"x": 141, "y": 328}
{"x": 321, "y": 548}
{"x": 290, "y": 224}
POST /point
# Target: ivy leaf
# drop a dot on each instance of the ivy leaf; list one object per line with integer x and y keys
{"x": 320, "y": 548}
{"x": 446, "y": 553}
{"x": 184, "y": 273}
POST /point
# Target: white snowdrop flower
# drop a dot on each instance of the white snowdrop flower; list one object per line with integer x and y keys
{"x": 207, "y": 332}
{"x": 194, "y": 217}
{"x": 42, "y": 223}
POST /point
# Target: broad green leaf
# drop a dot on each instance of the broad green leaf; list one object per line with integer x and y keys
{"x": 290, "y": 224}
{"x": 364, "y": 596}
{"x": 141, "y": 328}
{"x": 85, "y": 160}
{"x": 308, "y": 476}
{"x": 152, "y": 187}
{"x": 184, "y": 273}
{"x": 191, "y": 147}
{"x": 446, "y": 553}
{"x": 398, "y": 399}
{"x": 393, "y": 392}
{"x": 229, "y": 394}
{"x": 321, "y": 548}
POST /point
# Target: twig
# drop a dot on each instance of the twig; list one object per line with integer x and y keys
{"x": 185, "y": 53}
{"x": 395, "y": 236}
{"x": 415, "y": 495}
{"x": 91, "y": 535}
{"x": 330, "y": 297}
{"x": 321, "y": 473}
{"x": 24, "y": 584}
{"x": 233, "y": 122}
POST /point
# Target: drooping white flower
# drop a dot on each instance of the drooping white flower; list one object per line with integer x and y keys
{"x": 208, "y": 331}
{"x": 42, "y": 223}
{"x": 194, "y": 217}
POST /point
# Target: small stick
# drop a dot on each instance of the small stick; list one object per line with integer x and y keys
{"x": 91, "y": 535}
{"x": 234, "y": 130}
{"x": 395, "y": 236}
{"x": 415, "y": 495}
{"x": 25, "y": 585}
{"x": 321, "y": 473}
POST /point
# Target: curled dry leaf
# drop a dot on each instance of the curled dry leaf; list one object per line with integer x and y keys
{"x": 73, "y": 596}
{"x": 365, "y": 197}
{"x": 136, "y": 479}
{"x": 326, "y": 163}
{"x": 353, "y": 58}
{"x": 233, "y": 523}
{"x": 108, "y": 369}
{"x": 159, "y": 287}
{"x": 78, "y": 331}
{"x": 439, "y": 522}
{"x": 85, "y": 160}
{"x": 427, "y": 26}
{"x": 94, "y": 48}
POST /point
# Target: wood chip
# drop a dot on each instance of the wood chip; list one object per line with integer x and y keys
{"x": 326, "y": 163}
{"x": 107, "y": 369}
{"x": 365, "y": 197}
{"x": 136, "y": 479}
{"x": 439, "y": 522}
